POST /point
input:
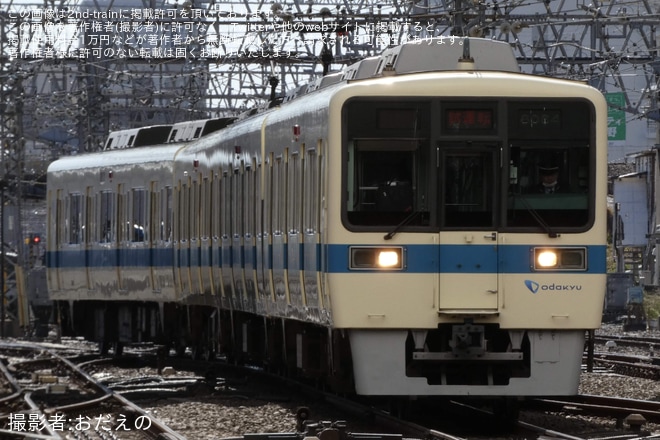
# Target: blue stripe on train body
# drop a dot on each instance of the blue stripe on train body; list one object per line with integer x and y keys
{"x": 471, "y": 259}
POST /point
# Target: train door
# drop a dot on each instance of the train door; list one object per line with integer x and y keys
{"x": 278, "y": 235}
{"x": 55, "y": 241}
{"x": 264, "y": 260}
{"x": 229, "y": 300}
{"x": 153, "y": 235}
{"x": 262, "y": 223}
{"x": 294, "y": 238}
{"x": 106, "y": 274}
{"x": 468, "y": 236}
{"x": 182, "y": 238}
{"x": 88, "y": 235}
{"x": 164, "y": 248}
{"x": 216, "y": 249}
{"x": 195, "y": 220}
{"x": 249, "y": 245}
{"x": 205, "y": 241}
{"x": 237, "y": 238}
{"x": 122, "y": 227}
{"x": 311, "y": 228}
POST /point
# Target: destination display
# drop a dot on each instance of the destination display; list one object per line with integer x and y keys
{"x": 468, "y": 119}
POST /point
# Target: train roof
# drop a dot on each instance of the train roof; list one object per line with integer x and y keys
{"x": 160, "y": 154}
{"x": 137, "y": 137}
{"x": 360, "y": 70}
{"x": 444, "y": 53}
{"x": 190, "y": 130}
{"x": 160, "y": 134}
{"x": 424, "y": 55}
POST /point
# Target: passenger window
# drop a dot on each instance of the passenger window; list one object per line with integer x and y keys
{"x": 123, "y": 231}
{"x": 166, "y": 214}
{"x": 216, "y": 206}
{"x": 226, "y": 205}
{"x": 58, "y": 219}
{"x": 258, "y": 210}
{"x": 76, "y": 220}
{"x": 279, "y": 196}
{"x": 312, "y": 192}
{"x": 194, "y": 210}
{"x": 106, "y": 216}
{"x": 154, "y": 212}
{"x": 89, "y": 228}
{"x": 205, "y": 208}
{"x": 184, "y": 205}
{"x": 269, "y": 195}
{"x": 139, "y": 211}
{"x": 294, "y": 196}
{"x": 237, "y": 197}
{"x": 249, "y": 201}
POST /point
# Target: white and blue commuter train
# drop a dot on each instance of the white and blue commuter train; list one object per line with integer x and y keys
{"x": 383, "y": 230}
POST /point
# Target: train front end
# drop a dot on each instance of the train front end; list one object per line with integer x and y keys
{"x": 470, "y": 255}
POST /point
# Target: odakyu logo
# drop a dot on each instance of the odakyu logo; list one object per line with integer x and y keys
{"x": 535, "y": 287}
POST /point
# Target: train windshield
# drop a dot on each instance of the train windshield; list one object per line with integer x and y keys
{"x": 459, "y": 164}
{"x": 548, "y": 187}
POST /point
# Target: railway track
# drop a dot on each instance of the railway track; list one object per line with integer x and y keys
{"x": 642, "y": 342}
{"x": 610, "y": 407}
{"x": 50, "y": 397}
{"x": 30, "y": 393}
{"x": 629, "y": 365}
{"x": 620, "y": 410}
{"x": 47, "y": 396}
{"x": 634, "y": 356}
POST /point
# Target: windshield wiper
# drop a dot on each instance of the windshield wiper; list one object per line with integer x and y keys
{"x": 536, "y": 216}
{"x": 405, "y": 221}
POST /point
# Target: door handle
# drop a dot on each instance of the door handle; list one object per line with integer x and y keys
{"x": 492, "y": 236}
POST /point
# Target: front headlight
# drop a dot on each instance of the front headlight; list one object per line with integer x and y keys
{"x": 388, "y": 258}
{"x": 546, "y": 259}
{"x": 560, "y": 259}
{"x": 376, "y": 258}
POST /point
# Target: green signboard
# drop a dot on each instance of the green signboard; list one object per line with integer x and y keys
{"x": 616, "y": 116}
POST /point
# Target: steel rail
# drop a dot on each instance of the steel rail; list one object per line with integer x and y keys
{"x": 604, "y": 406}
{"x": 158, "y": 428}
{"x": 173, "y": 435}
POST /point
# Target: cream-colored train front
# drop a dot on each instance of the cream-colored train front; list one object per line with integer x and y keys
{"x": 428, "y": 222}
{"x": 446, "y": 172}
